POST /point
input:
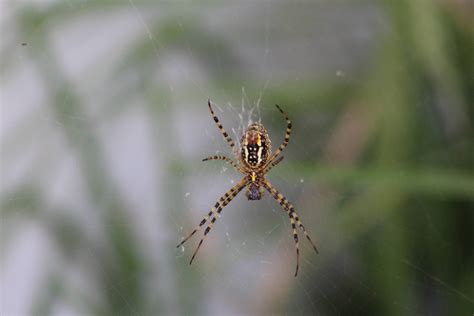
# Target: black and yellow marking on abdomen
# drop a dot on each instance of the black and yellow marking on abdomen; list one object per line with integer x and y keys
{"x": 256, "y": 146}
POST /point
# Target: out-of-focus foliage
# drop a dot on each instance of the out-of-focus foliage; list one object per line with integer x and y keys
{"x": 386, "y": 151}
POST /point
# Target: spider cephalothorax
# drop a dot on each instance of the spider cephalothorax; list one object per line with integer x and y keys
{"x": 255, "y": 188}
{"x": 255, "y": 160}
{"x": 254, "y": 192}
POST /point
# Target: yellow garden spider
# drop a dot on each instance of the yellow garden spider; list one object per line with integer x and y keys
{"x": 254, "y": 161}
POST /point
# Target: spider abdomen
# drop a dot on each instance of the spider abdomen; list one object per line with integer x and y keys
{"x": 255, "y": 146}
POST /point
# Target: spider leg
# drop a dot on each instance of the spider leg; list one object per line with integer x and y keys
{"x": 204, "y": 220}
{"x": 216, "y": 210}
{"x": 221, "y": 128}
{"x": 290, "y": 209}
{"x": 287, "y": 135}
{"x": 228, "y": 160}
{"x": 273, "y": 164}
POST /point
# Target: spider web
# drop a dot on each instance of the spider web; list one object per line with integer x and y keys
{"x": 102, "y": 173}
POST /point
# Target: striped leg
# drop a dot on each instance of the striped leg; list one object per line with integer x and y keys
{"x": 224, "y": 200}
{"x": 290, "y": 209}
{"x": 221, "y": 129}
{"x": 287, "y": 135}
{"x": 228, "y": 160}
{"x": 204, "y": 220}
{"x": 295, "y": 237}
{"x": 300, "y": 224}
{"x": 273, "y": 164}
{"x": 215, "y": 210}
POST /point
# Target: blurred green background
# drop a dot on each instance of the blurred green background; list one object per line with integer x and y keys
{"x": 104, "y": 124}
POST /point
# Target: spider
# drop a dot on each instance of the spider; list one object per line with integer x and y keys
{"x": 255, "y": 160}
